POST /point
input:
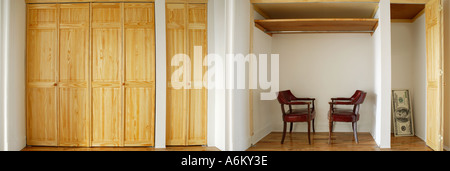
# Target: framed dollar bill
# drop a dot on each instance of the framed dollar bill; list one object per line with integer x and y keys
{"x": 402, "y": 113}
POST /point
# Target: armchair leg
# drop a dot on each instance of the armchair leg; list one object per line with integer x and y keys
{"x": 331, "y": 131}
{"x": 284, "y": 133}
{"x": 309, "y": 132}
{"x": 355, "y": 131}
{"x": 292, "y": 125}
{"x": 313, "y": 125}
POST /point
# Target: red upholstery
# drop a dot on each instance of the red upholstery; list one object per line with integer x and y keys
{"x": 299, "y": 115}
{"x": 341, "y": 115}
{"x": 307, "y": 114}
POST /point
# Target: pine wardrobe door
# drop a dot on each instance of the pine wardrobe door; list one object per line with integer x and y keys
{"x": 42, "y": 48}
{"x": 197, "y": 48}
{"x": 176, "y": 127}
{"x": 139, "y": 118}
{"x": 74, "y": 75}
{"x": 435, "y": 62}
{"x": 106, "y": 35}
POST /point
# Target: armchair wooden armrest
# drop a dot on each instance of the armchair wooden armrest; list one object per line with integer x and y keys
{"x": 299, "y": 103}
{"x": 305, "y": 99}
{"x": 341, "y": 98}
{"x": 341, "y": 103}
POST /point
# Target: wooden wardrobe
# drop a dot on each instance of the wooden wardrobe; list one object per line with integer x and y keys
{"x": 186, "y": 23}
{"x": 90, "y": 74}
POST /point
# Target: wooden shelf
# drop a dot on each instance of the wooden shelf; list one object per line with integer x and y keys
{"x": 276, "y": 26}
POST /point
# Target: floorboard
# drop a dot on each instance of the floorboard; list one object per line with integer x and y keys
{"x": 293, "y": 142}
{"x": 193, "y": 148}
{"x": 341, "y": 142}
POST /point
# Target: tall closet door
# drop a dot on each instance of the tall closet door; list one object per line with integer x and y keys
{"x": 435, "y": 70}
{"x": 106, "y": 76}
{"x": 177, "y": 108}
{"x": 73, "y": 75}
{"x": 186, "y": 94}
{"x": 197, "y": 48}
{"x": 42, "y": 50}
{"x": 139, "y": 74}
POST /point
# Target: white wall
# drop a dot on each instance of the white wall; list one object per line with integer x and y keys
{"x": 420, "y": 77}
{"x": 160, "y": 115}
{"x": 217, "y": 45}
{"x": 381, "y": 130}
{"x": 2, "y": 122}
{"x": 262, "y": 115}
{"x": 323, "y": 66}
{"x": 409, "y": 67}
{"x": 13, "y": 66}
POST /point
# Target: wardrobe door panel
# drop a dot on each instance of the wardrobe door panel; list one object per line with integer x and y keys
{"x": 139, "y": 117}
{"x": 42, "y": 38}
{"x": 106, "y": 46}
{"x": 106, "y": 116}
{"x": 106, "y": 76}
{"x": 139, "y": 74}
{"x": 74, "y": 77}
{"x": 41, "y": 116}
{"x": 74, "y": 118}
{"x": 197, "y": 36}
{"x": 177, "y": 108}
{"x": 41, "y": 54}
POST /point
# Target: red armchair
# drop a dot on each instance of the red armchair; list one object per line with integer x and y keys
{"x": 346, "y": 115}
{"x": 297, "y": 115}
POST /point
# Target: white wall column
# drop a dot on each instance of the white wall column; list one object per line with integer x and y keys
{"x": 13, "y": 74}
{"x": 237, "y": 43}
{"x": 2, "y": 116}
{"x": 160, "y": 120}
{"x": 382, "y": 118}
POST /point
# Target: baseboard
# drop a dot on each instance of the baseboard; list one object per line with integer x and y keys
{"x": 259, "y": 135}
{"x": 446, "y": 148}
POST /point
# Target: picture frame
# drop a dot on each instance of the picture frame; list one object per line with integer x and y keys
{"x": 402, "y": 113}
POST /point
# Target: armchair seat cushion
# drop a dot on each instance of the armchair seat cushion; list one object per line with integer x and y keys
{"x": 299, "y": 115}
{"x": 344, "y": 115}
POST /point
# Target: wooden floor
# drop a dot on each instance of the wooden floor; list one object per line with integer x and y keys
{"x": 341, "y": 142}
{"x": 294, "y": 142}
{"x": 193, "y": 148}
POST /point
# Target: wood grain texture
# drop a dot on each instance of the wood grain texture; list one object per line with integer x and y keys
{"x": 42, "y": 50}
{"x": 435, "y": 98}
{"x": 406, "y": 11}
{"x": 197, "y": 51}
{"x": 139, "y": 75}
{"x": 106, "y": 115}
{"x": 71, "y": 1}
{"x": 190, "y": 148}
{"x": 187, "y": 107}
{"x": 76, "y": 100}
{"x": 74, "y": 123}
{"x": 341, "y": 142}
{"x": 176, "y": 124}
{"x": 107, "y": 57}
{"x": 353, "y": 24}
